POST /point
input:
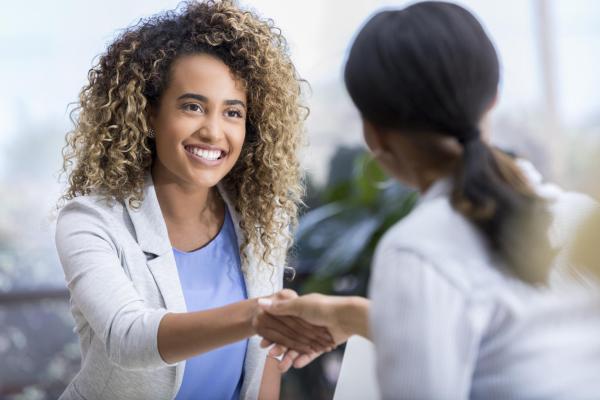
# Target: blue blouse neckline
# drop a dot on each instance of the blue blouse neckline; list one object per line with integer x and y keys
{"x": 211, "y": 241}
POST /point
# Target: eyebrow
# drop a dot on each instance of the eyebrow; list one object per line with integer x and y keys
{"x": 204, "y": 99}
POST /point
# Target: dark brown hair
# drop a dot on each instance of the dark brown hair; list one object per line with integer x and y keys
{"x": 431, "y": 67}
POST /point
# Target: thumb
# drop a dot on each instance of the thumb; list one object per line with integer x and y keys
{"x": 280, "y": 307}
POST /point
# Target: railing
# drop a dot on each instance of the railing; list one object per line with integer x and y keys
{"x": 33, "y": 296}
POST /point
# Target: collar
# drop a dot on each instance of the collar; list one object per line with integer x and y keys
{"x": 150, "y": 227}
{"x": 439, "y": 188}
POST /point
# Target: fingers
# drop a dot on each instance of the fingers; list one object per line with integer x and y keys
{"x": 314, "y": 334}
{"x": 304, "y": 359}
{"x": 275, "y": 331}
{"x": 319, "y": 331}
{"x": 281, "y": 307}
{"x": 285, "y": 294}
{"x": 288, "y": 360}
{"x": 277, "y": 351}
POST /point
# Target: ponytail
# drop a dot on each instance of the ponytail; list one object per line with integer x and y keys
{"x": 431, "y": 67}
{"x": 490, "y": 190}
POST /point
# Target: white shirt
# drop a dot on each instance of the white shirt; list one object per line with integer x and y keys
{"x": 449, "y": 322}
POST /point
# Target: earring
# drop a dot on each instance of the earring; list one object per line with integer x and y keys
{"x": 151, "y": 133}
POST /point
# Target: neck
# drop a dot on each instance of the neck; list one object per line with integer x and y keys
{"x": 180, "y": 202}
{"x": 434, "y": 159}
{"x": 427, "y": 178}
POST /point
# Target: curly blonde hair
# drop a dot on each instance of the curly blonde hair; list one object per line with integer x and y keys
{"x": 109, "y": 150}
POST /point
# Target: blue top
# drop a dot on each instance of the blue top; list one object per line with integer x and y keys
{"x": 211, "y": 277}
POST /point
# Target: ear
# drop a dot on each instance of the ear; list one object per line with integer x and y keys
{"x": 485, "y": 123}
{"x": 493, "y": 103}
{"x": 151, "y": 115}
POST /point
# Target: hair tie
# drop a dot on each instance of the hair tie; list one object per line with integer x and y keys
{"x": 469, "y": 136}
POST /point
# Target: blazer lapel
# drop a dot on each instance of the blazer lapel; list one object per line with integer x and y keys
{"x": 153, "y": 239}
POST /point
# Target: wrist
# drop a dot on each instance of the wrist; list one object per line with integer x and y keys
{"x": 251, "y": 312}
{"x": 353, "y": 316}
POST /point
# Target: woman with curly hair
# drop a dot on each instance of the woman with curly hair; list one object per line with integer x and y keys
{"x": 183, "y": 186}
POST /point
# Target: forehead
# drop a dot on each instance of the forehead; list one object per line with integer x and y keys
{"x": 205, "y": 74}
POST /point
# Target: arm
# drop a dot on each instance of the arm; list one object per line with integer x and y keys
{"x": 136, "y": 335}
{"x": 100, "y": 289}
{"x": 270, "y": 386}
{"x": 353, "y": 316}
{"x": 184, "y": 335}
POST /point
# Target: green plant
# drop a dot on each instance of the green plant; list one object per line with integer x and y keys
{"x": 336, "y": 240}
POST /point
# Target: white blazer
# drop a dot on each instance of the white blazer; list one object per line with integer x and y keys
{"x": 122, "y": 278}
{"x": 450, "y": 322}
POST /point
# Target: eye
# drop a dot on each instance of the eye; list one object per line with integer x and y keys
{"x": 234, "y": 114}
{"x": 193, "y": 107}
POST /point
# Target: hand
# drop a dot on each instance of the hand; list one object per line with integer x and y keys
{"x": 343, "y": 316}
{"x": 288, "y": 331}
{"x": 329, "y": 312}
{"x": 289, "y": 358}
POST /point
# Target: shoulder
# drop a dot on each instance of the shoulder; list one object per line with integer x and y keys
{"x": 88, "y": 203}
{"x": 93, "y": 213}
{"x": 443, "y": 240}
{"x": 436, "y": 228}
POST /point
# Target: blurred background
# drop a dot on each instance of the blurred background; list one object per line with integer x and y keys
{"x": 548, "y": 112}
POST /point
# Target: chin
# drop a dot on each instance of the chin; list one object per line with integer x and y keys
{"x": 206, "y": 178}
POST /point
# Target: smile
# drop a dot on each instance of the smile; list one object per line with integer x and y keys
{"x": 206, "y": 154}
{"x": 210, "y": 157}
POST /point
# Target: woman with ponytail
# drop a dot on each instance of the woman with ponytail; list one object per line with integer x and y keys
{"x": 464, "y": 299}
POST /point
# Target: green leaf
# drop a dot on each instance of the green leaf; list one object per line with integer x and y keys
{"x": 317, "y": 285}
{"x": 367, "y": 175}
{"x": 343, "y": 253}
{"x": 314, "y": 218}
{"x": 339, "y": 192}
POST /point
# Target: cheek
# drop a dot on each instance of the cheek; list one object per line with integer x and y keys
{"x": 236, "y": 140}
{"x": 166, "y": 143}
{"x": 399, "y": 169}
{"x": 368, "y": 136}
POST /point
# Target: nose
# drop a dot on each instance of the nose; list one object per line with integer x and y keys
{"x": 210, "y": 128}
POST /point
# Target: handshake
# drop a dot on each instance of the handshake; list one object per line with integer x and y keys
{"x": 299, "y": 329}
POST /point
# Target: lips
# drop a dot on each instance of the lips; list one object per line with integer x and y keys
{"x": 205, "y": 156}
{"x": 211, "y": 155}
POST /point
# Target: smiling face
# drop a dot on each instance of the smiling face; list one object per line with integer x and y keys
{"x": 200, "y": 123}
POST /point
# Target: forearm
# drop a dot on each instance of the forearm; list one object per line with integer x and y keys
{"x": 184, "y": 335}
{"x": 353, "y": 315}
{"x": 270, "y": 386}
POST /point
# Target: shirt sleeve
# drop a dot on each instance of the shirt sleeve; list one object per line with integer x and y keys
{"x": 425, "y": 342}
{"x": 101, "y": 290}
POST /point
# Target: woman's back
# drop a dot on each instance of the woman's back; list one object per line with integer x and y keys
{"x": 450, "y": 321}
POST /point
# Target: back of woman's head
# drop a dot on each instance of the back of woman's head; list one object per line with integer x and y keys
{"x": 431, "y": 68}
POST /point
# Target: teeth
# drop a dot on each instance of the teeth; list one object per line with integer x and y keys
{"x": 211, "y": 155}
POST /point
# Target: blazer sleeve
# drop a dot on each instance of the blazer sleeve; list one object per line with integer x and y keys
{"x": 426, "y": 345}
{"x": 101, "y": 290}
